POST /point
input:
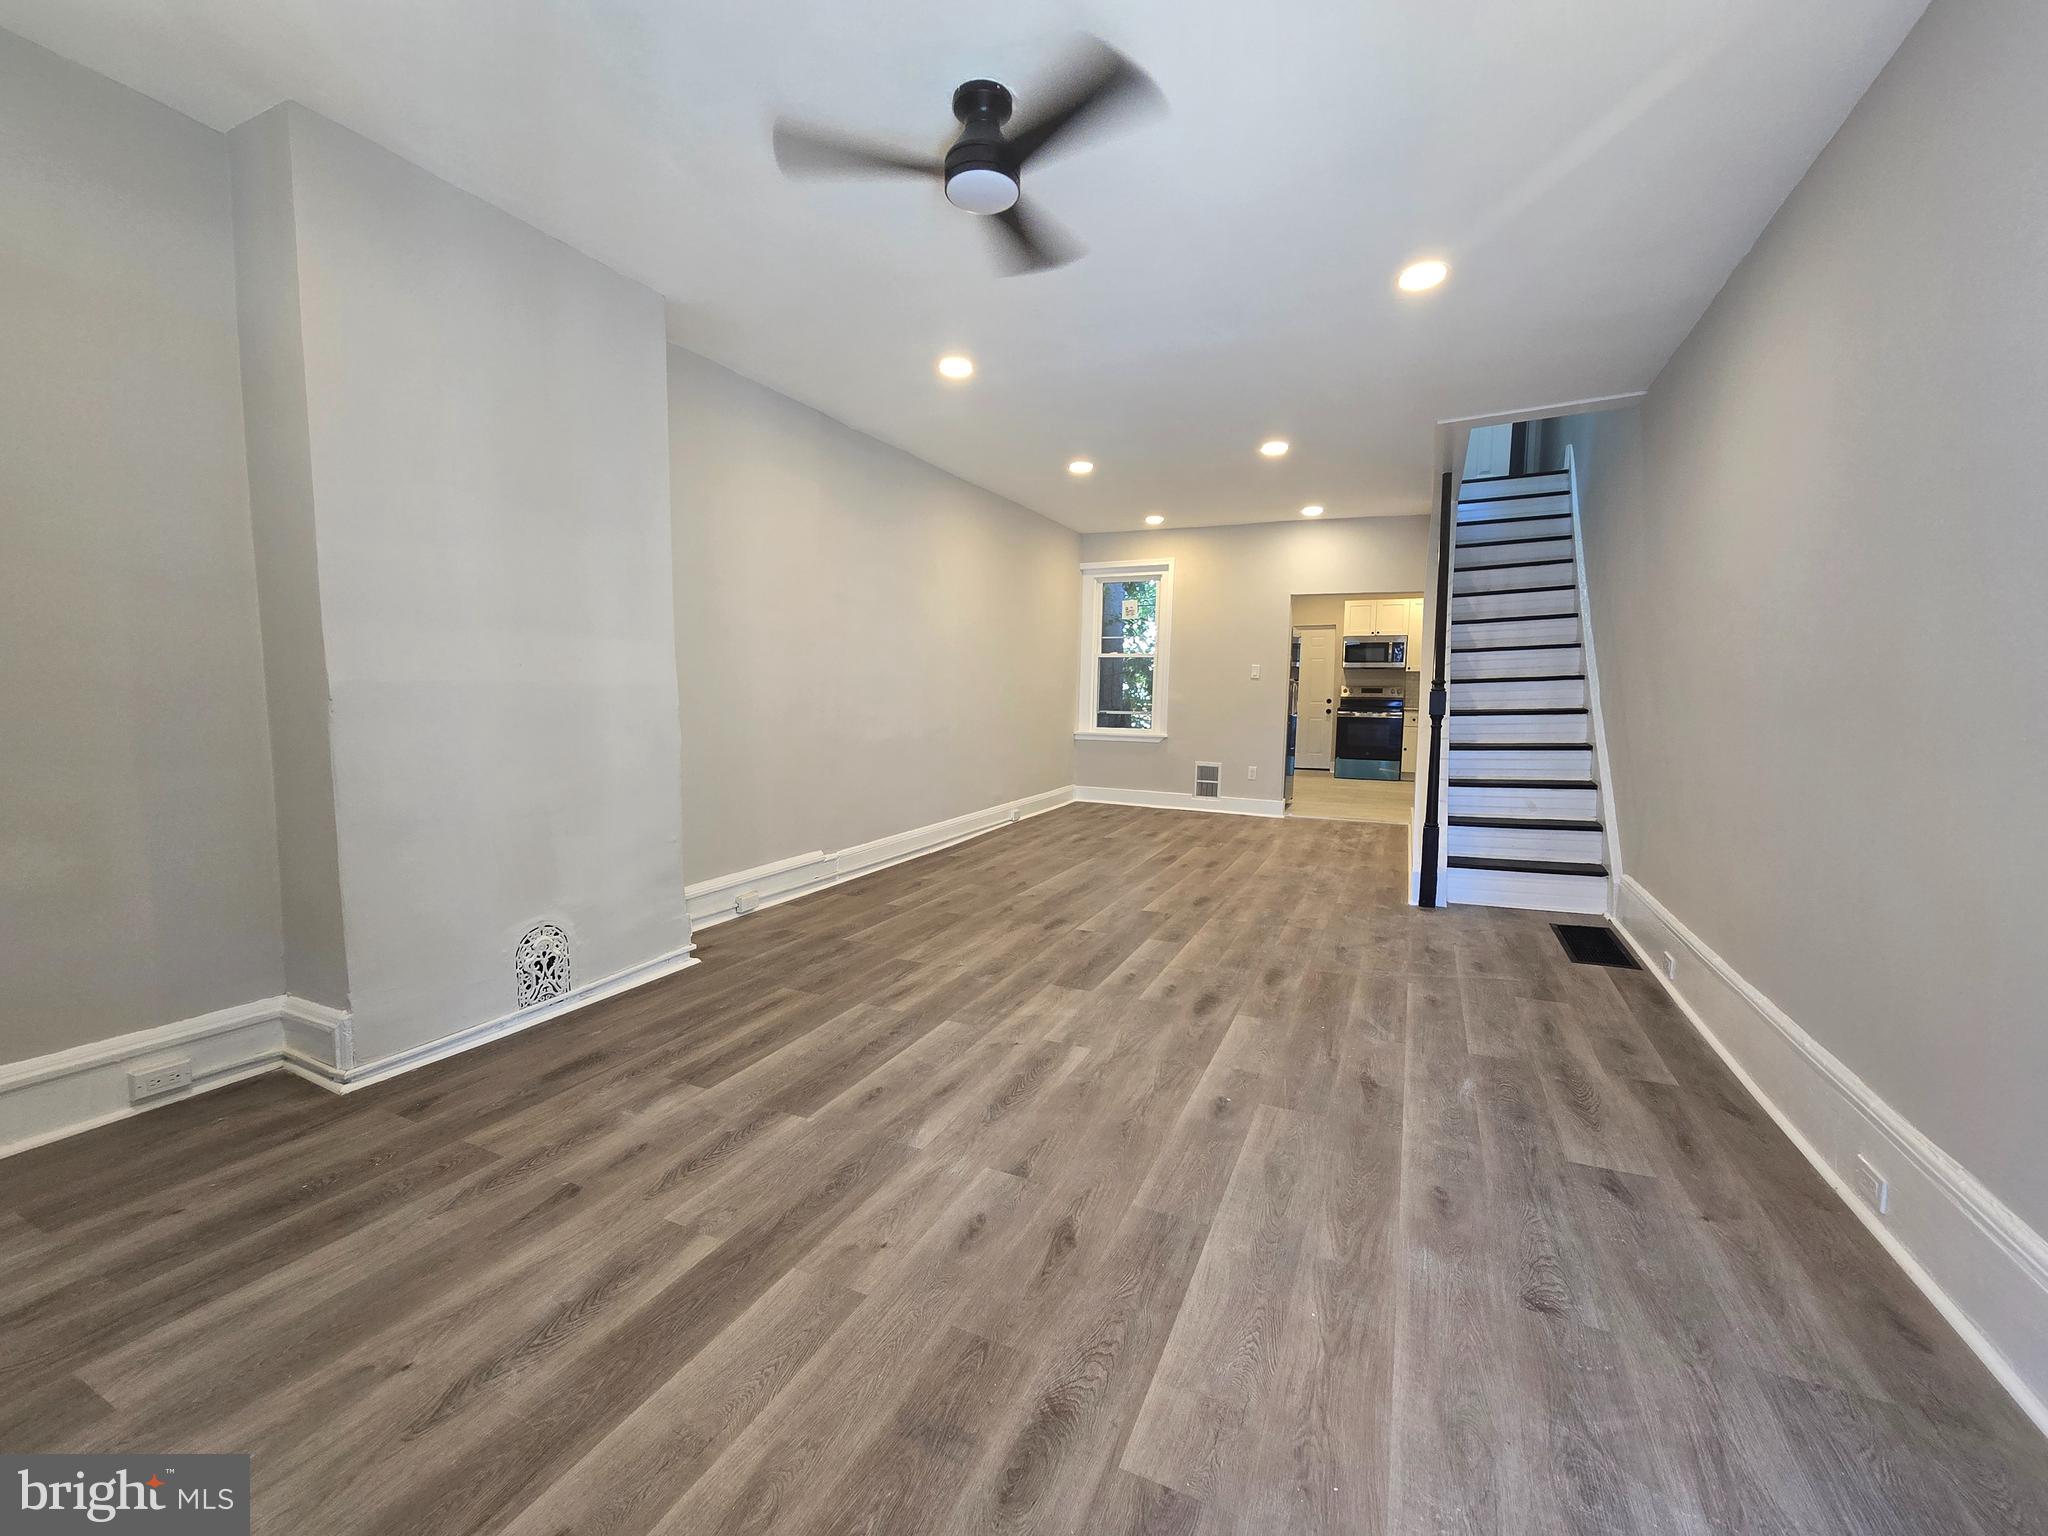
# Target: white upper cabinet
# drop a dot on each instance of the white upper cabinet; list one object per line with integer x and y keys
{"x": 1387, "y": 616}
{"x": 1377, "y": 615}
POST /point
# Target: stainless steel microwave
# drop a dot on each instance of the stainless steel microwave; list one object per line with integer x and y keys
{"x": 1376, "y": 650}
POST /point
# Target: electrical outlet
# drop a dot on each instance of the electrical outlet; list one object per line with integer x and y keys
{"x": 1873, "y": 1186}
{"x": 163, "y": 1077}
{"x": 1670, "y": 966}
{"x": 1252, "y": 772}
{"x": 1255, "y": 671}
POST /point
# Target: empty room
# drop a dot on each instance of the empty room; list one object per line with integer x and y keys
{"x": 911, "y": 769}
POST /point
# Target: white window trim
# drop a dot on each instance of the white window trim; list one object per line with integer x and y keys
{"x": 1093, "y": 573}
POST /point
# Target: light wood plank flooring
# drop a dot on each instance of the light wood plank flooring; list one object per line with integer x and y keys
{"x": 1123, "y": 1170}
{"x": 1321, "y": 794}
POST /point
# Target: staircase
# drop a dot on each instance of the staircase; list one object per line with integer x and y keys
{"x": 1524, "y": 825}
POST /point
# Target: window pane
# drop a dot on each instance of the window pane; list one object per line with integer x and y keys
{"x": 1130, "y": 617}
{"x": 1123, "y": 693}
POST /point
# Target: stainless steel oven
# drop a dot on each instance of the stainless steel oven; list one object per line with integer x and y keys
{"x": 1369, "y": 735}
{"x": 1376, "y": 651}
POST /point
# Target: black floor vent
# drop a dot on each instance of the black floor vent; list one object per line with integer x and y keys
{"x": 1590, "y": 944}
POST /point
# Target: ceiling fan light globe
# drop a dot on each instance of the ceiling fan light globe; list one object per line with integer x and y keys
{"x": 981, "y": 190}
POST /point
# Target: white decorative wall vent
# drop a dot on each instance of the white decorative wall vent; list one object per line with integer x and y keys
{"x": 1208, "y": 781}
{"x": 541, "y": 964}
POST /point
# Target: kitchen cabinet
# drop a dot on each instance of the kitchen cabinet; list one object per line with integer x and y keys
{"x": 1411, "y": 735}
{"x": 1381, "y": 615}
{"x": 1412, "y": 618}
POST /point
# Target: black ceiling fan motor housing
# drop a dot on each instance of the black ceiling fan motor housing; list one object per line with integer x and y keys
{"x": 982, "y": 107}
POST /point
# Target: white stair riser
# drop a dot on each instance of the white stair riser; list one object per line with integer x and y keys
{"x": 1482, "y": 556}
{"x": 1493, "y": 533}
{"x": 1568, "y": 694}
{"x": 1525, "y": 506}
{"x": 1521, "y": 632}
{"x": 1554, "y": 804}
{"x": 1468, "y": 580}
{"x": 1575, "y": 847}
{"x": 1478, "y": 728}
{"x": 1480, "y": 763}
{"x": 1499, "y": 605}
{"x": 1536, "y": 893}
{"x": 1520, "y": 485}
{"x": 1481, "y": 666}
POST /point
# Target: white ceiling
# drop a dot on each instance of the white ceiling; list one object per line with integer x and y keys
{"x": 1592, "y": 169}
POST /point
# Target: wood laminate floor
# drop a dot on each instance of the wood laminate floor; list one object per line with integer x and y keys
{"x": 1321, "y": 794}
{"x": 1123, "y": 1170}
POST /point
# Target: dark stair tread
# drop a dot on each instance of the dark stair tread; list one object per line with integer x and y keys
{"x": 1527, "y": 866}
{"x": 1526, "y": 823}
{"x": 1525, "y": 645}
{"x": 1534, "y": 677}
{"x": 1494, "y": 501}
{"x": 1515, "y": 618}
{"x": 1540, "y": 538}
{"x": 1524, "y": 784}
{"x": 1519, "y": 517}
{"x": 1557, "y": 586}
{"x": 1527, "y": 474}
{"x": 1521, "y": 746}
{"x": 1535, "y": 709}
{"x": 1516, "y": 565}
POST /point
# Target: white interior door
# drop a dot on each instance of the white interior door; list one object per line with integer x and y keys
{"x": 1315, "y": 699}
{"x": 1488, "y": 451}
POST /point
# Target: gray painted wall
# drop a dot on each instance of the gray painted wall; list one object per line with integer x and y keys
{"x": 489, "y": 447}
{"x": 1232, "y": 589}
{"x": 865, "y": 644}
{"x": 1818, "y": 613}
{"x": 287, "y": 564}
{"x": 138, "y": 872}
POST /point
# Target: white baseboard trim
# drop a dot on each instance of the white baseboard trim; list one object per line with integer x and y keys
{"x": 47, "y": 1098}
{"x": 317, "y": 1039}
{"x": 1175, "y": 800}
{"x": 1973, "y": 1257}
{"x": 717, "y": 900}
{"x": 349, "y": 1079}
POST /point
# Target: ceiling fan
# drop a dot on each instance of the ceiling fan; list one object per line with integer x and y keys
{"x": 983, "y": 171}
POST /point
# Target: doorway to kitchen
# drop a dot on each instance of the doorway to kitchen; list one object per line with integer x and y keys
{"x": 1351, "y": 705}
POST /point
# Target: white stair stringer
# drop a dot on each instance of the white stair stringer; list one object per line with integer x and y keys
{"x": 1524, "y": 811}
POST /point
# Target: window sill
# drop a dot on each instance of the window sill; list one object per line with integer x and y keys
{"x": 1119, "y": 735}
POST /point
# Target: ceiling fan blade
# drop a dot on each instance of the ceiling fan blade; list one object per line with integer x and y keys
{"x": 1028, "y": 243}
{"x": 802, "y": 151}
{"x": 1094, "y": 82}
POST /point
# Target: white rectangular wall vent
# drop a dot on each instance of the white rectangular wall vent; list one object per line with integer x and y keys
{"x": 1208, "y": 781}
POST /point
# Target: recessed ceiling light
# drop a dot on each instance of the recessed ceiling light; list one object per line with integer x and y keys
{"x": 955, "y": 366}
{"x": 1081, "y": 467}
{"x": 1274, "y": 447}
{"x": 1153, "y": 520}
{"x": 1421, "y": 276}
{"x": 1311, "y": 511}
